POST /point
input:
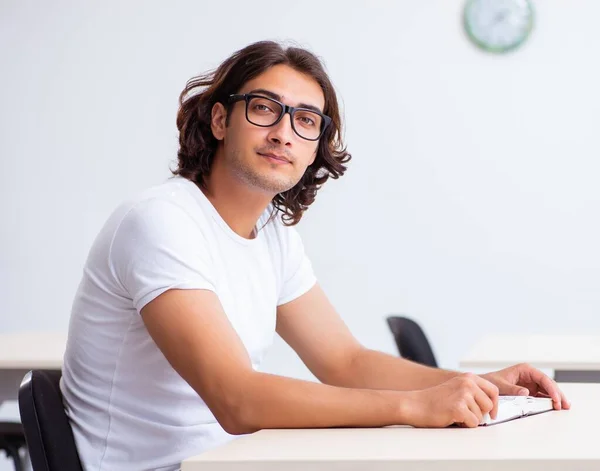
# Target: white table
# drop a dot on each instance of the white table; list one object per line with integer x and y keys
{"x": 574, "y": 358}
{"x": 557, "y": 440}
{"x": 24, "y": 351}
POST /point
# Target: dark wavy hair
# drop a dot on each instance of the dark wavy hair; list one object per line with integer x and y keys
{"x": 197, "y": 145}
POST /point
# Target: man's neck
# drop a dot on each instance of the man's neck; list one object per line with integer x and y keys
{"x": 239, "y": 206}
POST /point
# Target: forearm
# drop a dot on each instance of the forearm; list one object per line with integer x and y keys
{"x": 371, "y": 369}
{"x": 270, "y": 401}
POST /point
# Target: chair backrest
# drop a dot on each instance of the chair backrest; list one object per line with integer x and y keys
{"x": 46, "y": 425}
{"x": 411, "y": 341}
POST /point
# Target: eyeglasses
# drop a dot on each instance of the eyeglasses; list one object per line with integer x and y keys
{"x": 264, "y": 112}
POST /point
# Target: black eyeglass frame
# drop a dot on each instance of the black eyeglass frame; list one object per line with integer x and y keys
{"x": 234, "y": 98}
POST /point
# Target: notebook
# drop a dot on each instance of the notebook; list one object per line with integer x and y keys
{"x": 515, "y": 407}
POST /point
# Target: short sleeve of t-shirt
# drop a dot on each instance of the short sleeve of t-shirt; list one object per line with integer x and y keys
{"x": 298, "y": 275}
{"x": 158, "y": 246}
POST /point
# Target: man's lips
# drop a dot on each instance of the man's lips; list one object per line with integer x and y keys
{"x": 279, "y": 158}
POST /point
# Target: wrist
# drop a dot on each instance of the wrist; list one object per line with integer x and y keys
{"x": 406, "y": 407}
{"x": 448, "y": 375}
{"x": 452, "y": 374}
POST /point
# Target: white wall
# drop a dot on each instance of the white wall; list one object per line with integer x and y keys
{"x": 471, "y": 203}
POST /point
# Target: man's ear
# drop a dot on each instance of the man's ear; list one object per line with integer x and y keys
{"x": 218, "y": 121}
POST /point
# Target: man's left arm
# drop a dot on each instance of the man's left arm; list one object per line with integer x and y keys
{"x": 312, "y": 327}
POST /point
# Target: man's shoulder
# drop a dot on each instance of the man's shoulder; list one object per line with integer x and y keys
{"x": 175, "y": 191}
{"x": 169, "y": 199}
{"x": 160, "y": 210}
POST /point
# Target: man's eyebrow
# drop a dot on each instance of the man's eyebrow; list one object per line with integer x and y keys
{"x": 275, "y": 96}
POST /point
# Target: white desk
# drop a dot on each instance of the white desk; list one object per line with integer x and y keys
{"x": 574, "y": 358}
{"x": 21, "y": 352}
{"x": 557, "y": 440}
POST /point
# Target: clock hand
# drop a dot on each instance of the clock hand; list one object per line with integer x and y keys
{"x": 500, "y": 17}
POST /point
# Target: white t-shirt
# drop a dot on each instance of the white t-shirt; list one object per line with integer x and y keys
{"x": 129, "y": 409}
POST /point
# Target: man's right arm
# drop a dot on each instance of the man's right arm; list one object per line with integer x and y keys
{"x": 195, "y": 335}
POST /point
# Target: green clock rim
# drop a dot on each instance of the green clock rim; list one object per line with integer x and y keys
{"x": 498, "y": 49}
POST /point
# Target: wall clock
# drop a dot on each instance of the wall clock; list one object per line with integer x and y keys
{"x": 498, "y": 25}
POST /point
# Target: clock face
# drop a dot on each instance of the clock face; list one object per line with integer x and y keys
{"x": 498, "y": 25}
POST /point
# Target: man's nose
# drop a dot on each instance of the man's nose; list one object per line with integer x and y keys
{"x": 282, "y": 132}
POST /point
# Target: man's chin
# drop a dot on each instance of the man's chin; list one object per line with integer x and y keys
{"x": 268, "y": 180}
{"x": 275, "y": 186}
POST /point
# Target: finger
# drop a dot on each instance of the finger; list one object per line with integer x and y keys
{"x": 542, "y": 394}
{"x": 485, "y": 404}
{"x": 466, "y": 418}
{"x": 547, "y": 385}
{"x": 565, "y": 404}
{"x": 491, "y": 391}
{"x": 475, "y": 409}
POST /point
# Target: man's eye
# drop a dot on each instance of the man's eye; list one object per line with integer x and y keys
{"x": 261, "y": 107}
{"x": 307, "y": 121}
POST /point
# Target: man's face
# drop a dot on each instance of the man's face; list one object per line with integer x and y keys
{"x": 272, "y": 159}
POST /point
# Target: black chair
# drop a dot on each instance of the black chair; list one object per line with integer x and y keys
{"x": 47, "y": 428}
{"x": 12, "y": 440}
{"x": 411, "y": 341}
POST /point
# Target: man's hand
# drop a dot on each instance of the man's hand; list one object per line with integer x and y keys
{"x": 524, "y": 380}
{"x": 462, "y": 400}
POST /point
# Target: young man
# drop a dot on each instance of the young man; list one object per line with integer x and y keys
{"x": 187, "y": 283}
